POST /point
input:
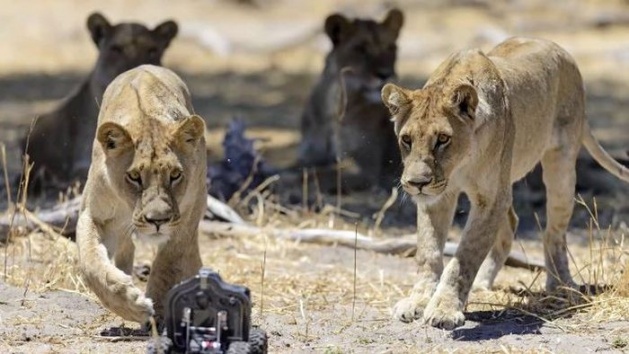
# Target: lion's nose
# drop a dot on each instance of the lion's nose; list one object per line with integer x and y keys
{"x": 419, "y": 182}
{"x": 384, "y": 74}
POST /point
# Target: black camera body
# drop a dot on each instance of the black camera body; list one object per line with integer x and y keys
{"x": 206, "y": 315}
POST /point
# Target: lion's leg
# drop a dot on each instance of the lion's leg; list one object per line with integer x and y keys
{"x": 499, "y": 253}
{"x": 433, "y": 223}
{"x": 113, "y": 287}
{"x": 123, "y": 258}
{"x": 559, "y": 176}
{"x": 445, "y": 309}
{"x": 173, "y": 263}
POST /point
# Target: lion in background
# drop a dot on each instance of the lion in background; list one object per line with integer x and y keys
{"x": 366, "y": 51}
{"x": 146, "y": 184}
{"x": 482, "y": 122}
{"x": 61, "y": 141}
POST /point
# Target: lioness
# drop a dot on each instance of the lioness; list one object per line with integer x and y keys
{"x": 60, "y": 144}
{"x": 368, "y": 49}
{"x": 481, "y": 122}
{"x": 146, "y": 184}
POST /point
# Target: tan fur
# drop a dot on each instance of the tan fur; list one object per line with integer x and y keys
{"x": 369, "y": 49}
{"x": 480, "y": 123}
{"x": 146, "y": 183}
{"x": 60, "y": 144}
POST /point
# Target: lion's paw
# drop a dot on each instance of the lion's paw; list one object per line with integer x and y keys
{"x": 129, "y": 302}
{"x": 407, "y": 309}
{"x": 140, "y": 308}
{"x": 444, "y": 315}
{"x": 481, "y": 285}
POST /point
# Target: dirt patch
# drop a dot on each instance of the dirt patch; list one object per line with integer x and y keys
{"x": 312, "y": 300}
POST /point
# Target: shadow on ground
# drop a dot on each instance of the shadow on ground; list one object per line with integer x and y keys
{"x": 495, "y": 324}
{"x": 536, "y": 310}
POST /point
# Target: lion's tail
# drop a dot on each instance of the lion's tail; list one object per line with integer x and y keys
{"x": 601, "y": 156}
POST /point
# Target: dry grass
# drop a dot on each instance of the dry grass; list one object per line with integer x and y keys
{"x": 305, "y": 284}
{"x": 292, "y": 277}
{"x": 623, "y": 283}
{"x": 325, "y": 291}
{"x": 301, "y": 282}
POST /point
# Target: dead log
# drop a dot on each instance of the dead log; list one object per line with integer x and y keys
{"x": 405, "y": 245}
{"x": 64, "y": 216}
{"x": 219, "y": 210}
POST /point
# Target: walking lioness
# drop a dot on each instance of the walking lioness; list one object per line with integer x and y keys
{"x": 146, "y": 184}
{"x": 481, "y": 122}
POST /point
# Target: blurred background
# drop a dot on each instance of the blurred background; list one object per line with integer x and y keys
{"x": 259, "y": 59}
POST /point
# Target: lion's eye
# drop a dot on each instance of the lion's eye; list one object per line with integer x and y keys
{"x": 442, "y": 140}
{"x": 134, "y": 178}
{"x": 175, "y": 175}
{"x": 406, "y": 141}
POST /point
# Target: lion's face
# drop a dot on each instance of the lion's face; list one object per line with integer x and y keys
{"x": 434, "y": 127}
{"x": 157, "y": 171}
{"x": 126, "y": 45}
{"x": 368, "y": 48}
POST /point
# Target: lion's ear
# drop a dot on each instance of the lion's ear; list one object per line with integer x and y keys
{"x": 166, "y": 31}
{"x": 465, "y": 100}
{"x": 114, "y": 138}
{"x": 336, "y": 25}
{"x": 394, "y": 97}
{"x": 190, "y": 130}
{"x": 394, "y": 21}
{"x": 98, "y": 26}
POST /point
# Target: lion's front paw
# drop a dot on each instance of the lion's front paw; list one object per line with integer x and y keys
{"x": 122, "y": 297}
{"x": 408, "y": 309}
{"x": 140, "y": 308}
{"x": 443, "y": 314}
{"x": 481, "y": 285}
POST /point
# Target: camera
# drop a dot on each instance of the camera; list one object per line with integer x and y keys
{"x": 206, "y": 315}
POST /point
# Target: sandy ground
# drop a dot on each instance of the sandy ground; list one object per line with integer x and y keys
{"x": 259, "y": 63}
{"x": 310, "y": 299}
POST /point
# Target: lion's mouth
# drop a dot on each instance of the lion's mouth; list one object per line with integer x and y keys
{"x": 435, "y": 189}
{"x": 431, "y": 190}
{"x": 368, "y": 86}
{"x": 151, "y": 235}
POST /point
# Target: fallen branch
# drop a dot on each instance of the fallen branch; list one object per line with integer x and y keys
{"x": 219, "y": 210}
{"x": 405, "y": 246}
{"x": 63, "y": 217}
